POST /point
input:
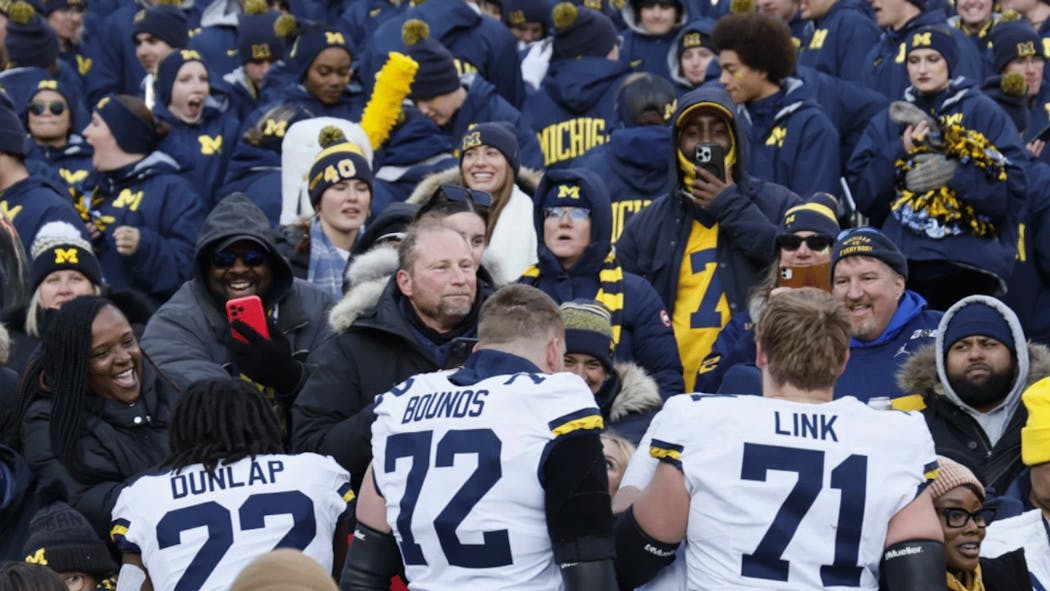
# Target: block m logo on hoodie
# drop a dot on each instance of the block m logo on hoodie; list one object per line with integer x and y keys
{"x": 9, "y": 212}
{"x": 128, "y": 200}
{"x": 819, "y": 36}
{"x": 210, "y": 145}
{"x": 776, "y": 137}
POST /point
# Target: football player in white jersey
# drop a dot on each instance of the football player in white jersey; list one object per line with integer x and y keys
{"x": 790, "y": 490}
{"x": 491, "y": 476}
{"x": 228, "y": 495}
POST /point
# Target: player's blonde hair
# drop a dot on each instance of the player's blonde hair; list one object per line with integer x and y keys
{"x": 519, "y": 312}
{"x": 805, "y": 336}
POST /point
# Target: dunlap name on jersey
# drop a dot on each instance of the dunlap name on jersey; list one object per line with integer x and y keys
{"x": 199, "y": 481}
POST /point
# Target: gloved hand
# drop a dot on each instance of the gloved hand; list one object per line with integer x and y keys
{"x": 932, "y": 172}
{"x": 905, "y": 113}
{"x": 266, "y": 361}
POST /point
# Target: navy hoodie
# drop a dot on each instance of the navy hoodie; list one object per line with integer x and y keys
{"x": 873, "y": 175}
{"x": 203, "y": 148}
{"x": 682, "y": 85}
{"x": 69, "y": 165}
{"x": 1028, "y": 290}
{"x": 645, "y": 338}
{"x": 152, "y": 196}
{"x": 573, "y": 110}
{"x": 838, "y": 42}
{"x": 34, "y": 201}
{"x": 793, "y": 143}
{"x": 256, "y": 172}
{"x": 22, "y": 83}
{"x": 633, "y": 165}
{"x": 479, "y": 43}
{"x": 884, "y": 70}
{"x": 643, "y": 52}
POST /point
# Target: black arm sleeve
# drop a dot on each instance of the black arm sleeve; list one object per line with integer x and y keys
{"x": 596, "y": 575}
{"x": 914, "y": 565}
{"x": 374, "y": 558}
{"x": 579, "y": 509}
{"x": 639, "y": 556}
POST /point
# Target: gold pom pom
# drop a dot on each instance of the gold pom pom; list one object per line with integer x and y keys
{"x": 20, "y": 13}
{"x": 285, "y": 26}
{"x": 254, "y": 7}
{"x": 741, "y": 6}
{"x": 1009, "y": 16}
{"x": 330, "y": 136}
{"x": 383, "y": 111}
{"x": 564, "y": 15}
{"x": 1013, "y": 84}
{"x": 414, "y": 31}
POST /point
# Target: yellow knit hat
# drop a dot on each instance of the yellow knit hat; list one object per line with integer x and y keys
{"x": 1035, "y": 436}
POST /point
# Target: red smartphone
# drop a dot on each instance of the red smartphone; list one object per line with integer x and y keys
{"x": 248, "y": 310}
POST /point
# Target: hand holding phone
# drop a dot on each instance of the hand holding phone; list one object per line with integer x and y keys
{"x": 712, "y": 158}
{"x": 248, "y": 310}
{"x": 818, "y": 276}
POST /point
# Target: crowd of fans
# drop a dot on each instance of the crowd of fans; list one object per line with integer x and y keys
{"x": 661, "y": 169}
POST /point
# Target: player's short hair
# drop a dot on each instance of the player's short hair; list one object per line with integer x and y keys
{"x": 406, "y": 252}
{"x": 805, "y": 336}
{"x": 761, "y": 42}
{"x": 27, "y": 576}
{"x": 518, "y": 312}
{"x": 222, "y": 419}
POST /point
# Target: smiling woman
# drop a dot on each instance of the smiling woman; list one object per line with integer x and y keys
{"x": 94, "y": 410}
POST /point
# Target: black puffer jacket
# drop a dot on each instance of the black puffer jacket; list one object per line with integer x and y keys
{"x": 119, "y": 442}
{"x": 374, "y": 351}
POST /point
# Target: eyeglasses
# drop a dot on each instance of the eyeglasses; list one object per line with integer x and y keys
{"x": 576, "y": 214}
{"x": 224, "y": 259}
{"x": 957, "y": 517}
{"x": 38, "y": 108}
{"x": 792, "y": 242}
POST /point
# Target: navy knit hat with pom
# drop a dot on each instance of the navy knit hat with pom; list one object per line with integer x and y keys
{"x": 256, "y": 38}
{"x": 31, "y": 42}
{"x": 165, "y": 22}
{"x": 1014, "y": 40}
{"x": 580, "y": 31}
{"x": 339, "y": 161}
{"x": 310, "y": 40}
{"x": 437, "y": 74}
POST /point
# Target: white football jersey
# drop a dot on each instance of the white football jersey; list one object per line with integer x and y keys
{"x": 788, "y": 495}
{"x": 460, "y": 468}
{"x": 197, "y": 531}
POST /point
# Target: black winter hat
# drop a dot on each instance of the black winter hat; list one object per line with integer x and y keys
{"x": 867, "y": 241}
{"x": 58, "y": 246}
{"x": 163, "y": 21}
{"x": 641, "y": 93}
{"x": 63, "y": 540}
{"x": 976, "y": 318}
{"x": 390, "y": 224}
{"x": 499, "y": 135}
{"x": 31, "y": 42}
{"x": 818, "y": 214}
{"x": 437, "y": 74}
{"x": 134, "y": 135}
{"x": 1013, "y": 40}
{"x": 580, "y": 31}
{"x": 12, "y": 133}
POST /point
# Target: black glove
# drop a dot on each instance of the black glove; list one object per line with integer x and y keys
{"x": 266, "y": 361}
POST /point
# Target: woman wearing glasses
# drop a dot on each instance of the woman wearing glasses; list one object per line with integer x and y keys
{"x": 959, "y": 500}
{"x": 573, "y": 218}
{"x": 807, "y": 233}
{"x": 141, "y": 214}
{"x": 52, "y": 118}
{"x": 489, "y": 161}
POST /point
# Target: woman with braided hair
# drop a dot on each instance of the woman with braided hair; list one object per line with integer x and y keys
{"x": 941, "y": 173}
{"x": 94, "y": 410}
{"x": 226, "y": 460}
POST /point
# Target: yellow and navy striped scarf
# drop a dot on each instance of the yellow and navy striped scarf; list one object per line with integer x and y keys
{"x": 610, "y": 291}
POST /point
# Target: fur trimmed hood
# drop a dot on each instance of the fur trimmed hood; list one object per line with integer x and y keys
{"x": 367, "y": 276}
{"x": 919, "y": 372}
{"x": 528, "y": 179}
{"x": 638, "y": 392}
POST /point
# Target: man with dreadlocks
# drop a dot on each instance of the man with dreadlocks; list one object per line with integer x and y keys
{"x": 227, "y": 471}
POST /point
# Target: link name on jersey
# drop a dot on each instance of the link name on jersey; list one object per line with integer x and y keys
{"x": 811, "y": 425}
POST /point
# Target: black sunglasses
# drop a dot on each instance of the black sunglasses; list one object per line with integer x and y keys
{"x": 457, "y": 193}
{"x": 955, "y": 517}
{"x": 56, "y": 108}
{"x": 224, "y": 259}
{"x": 816, "y": 242}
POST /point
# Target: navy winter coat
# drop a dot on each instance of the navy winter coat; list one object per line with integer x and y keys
{"x": 838, "y": 42}
{"x": 203, "y": 148}
{"x": 34, "y": 201}
{"x": 643, "y": 52}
